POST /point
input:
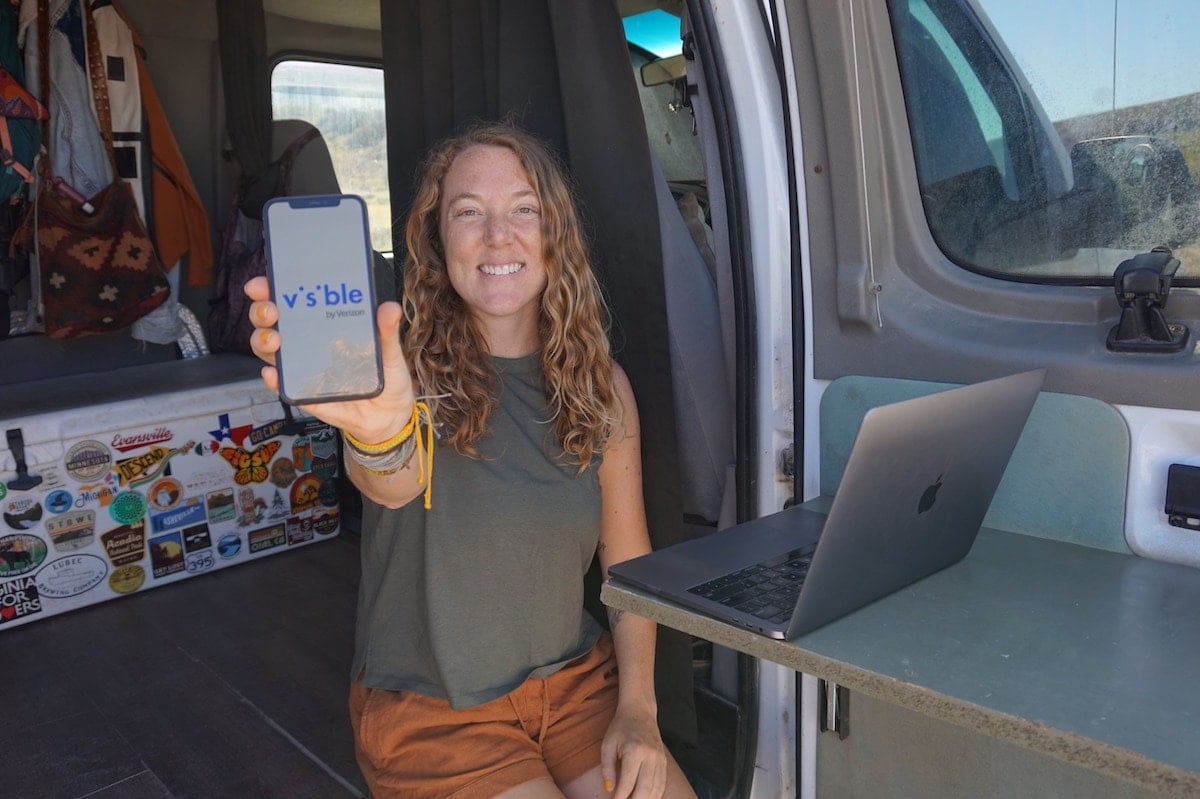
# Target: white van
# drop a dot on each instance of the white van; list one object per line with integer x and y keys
{"x": 801, "y": 209}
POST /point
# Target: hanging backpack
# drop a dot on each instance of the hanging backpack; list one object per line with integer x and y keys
{"x": 243, "y": 251}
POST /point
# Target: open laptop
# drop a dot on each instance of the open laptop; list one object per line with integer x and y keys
{"x": 914, "y": 493}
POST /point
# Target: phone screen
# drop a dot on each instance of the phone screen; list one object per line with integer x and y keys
{"x": 320, "y": 266}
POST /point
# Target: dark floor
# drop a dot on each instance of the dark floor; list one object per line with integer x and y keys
{"x": 228, "y": 685}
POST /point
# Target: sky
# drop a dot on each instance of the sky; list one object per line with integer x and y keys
{"x": 1066, "y": 50}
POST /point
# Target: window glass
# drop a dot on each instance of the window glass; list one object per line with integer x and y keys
{"x": 345, "y": 103}
{"x": 1055, "y": 139}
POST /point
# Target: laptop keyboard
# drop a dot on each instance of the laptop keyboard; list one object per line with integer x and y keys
{"x": 767, "y": 590}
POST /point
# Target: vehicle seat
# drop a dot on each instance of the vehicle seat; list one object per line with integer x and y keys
{"x": 313, "y": 173}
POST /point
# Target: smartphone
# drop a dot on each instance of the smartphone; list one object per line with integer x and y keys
{"x": 321, "y": 269}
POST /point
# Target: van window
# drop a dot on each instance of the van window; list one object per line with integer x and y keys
{"x": 345, "y": 103}
{"x": 1054, "y": 140}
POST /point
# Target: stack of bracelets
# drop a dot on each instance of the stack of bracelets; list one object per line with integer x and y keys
{"x": 389, "y": 457}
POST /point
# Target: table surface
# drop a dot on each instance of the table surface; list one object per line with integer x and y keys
{"x": 1086, "y": 655}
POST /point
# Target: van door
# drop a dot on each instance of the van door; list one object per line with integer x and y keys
{"x": 983, "y": 184}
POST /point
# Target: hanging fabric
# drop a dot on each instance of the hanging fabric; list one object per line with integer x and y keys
{"x": 563, "y": 71}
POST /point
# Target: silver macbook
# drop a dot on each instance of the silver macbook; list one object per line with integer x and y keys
{"x": 914, "y": 493}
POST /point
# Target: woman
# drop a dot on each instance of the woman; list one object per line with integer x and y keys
{"x": 478, "y": 673}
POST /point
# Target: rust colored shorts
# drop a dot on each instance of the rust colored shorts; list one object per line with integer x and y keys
{"x": 410, "y": 745}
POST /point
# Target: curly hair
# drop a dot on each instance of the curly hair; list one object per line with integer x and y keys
{"x": 447, "y": 351}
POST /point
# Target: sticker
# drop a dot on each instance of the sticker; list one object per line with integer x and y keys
{"x": 132, "y": 441}
{"x": 3, "y": 491}
{"x": 197, "y": 562}
{"x": 227, "y": 432}
{"x": 125, "y": 545}
{"x": 324, "y": 443}
{"x": 20, "y": 554}
{"x": 251, "y": 507}
{"x": 328, "y": 493}
{"x": 283, "y": 472}
{"x": 267, "y": 538}
{"x": 166, "y": 555}
{"x": 325, "y": 521}
{"x": 302, "y": 453}
{"x": 145, "y": 467}
{"x": 220, "y": 505}
{"x": 305, "y": 493}
{"x": 299, "y": 529}
{"x": 22, "y": 513}
{"x": 98, "y": 493}
{"x": 229, "y": 545}
{"x": 51, "y": 476}
{"x": 269, "y": 430}
{"x": 192, "y": 512}
{"x": 165, "y": 493}
{"x": 59, "y": 501}
{"x": 279, "y": 508}
{"x": 71, "y": 576}
{"x": 19, "y": 598}
{"x": 250, "y": 467}
{"x": 325, "y": 468}
{"x": 127, "y": 579}
{"x": 196, "y": 537}
{"x": 73, "y": 530}
{"x": 127, "y": 507}
{"x": 87, "y": 460}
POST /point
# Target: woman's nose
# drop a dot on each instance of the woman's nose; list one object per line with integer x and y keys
{"x": 497, "y": 228}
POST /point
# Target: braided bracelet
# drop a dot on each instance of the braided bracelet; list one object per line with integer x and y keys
{"x": 385, "y": 446}
{"x": 384, "y": 463}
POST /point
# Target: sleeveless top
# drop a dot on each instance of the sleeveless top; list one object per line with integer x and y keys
{"x": 467, "y": 600}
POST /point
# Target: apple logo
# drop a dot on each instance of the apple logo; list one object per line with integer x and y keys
{"x": 930, "y": 496}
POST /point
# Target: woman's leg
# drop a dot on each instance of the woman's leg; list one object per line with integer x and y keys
{"x": 591, "y": 784}
{"x": 536, "y": 789}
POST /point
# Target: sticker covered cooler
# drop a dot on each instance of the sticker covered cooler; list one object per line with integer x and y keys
{"x": 99, "y": 502}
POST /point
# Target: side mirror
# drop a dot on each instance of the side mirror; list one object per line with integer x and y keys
{"x": 1134, "y": 192}
{"x": 664, "y": 70}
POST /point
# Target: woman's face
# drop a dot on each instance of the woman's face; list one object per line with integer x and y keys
{"x": 491, "y": 226}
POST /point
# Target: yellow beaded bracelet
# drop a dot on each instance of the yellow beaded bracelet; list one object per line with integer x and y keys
{"x": 385, "y": 446}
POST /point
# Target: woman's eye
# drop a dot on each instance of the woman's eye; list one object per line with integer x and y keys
{"x": 527, "y": 210}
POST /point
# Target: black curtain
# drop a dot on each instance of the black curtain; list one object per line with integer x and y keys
{"x": 246, "y": 81}
{"x": 562, "y": 69}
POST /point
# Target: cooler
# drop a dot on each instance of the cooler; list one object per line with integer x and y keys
{"x": 130, "y": 494}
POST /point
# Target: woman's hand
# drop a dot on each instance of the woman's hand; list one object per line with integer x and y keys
{"x": 369, "y": 420}
{"x": 633, "y": 759}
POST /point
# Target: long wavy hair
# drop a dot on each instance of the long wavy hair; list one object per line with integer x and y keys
{"x": 447, "y": 351}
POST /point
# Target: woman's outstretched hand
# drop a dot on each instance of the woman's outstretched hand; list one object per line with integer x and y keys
{"x": 368, "y": 420}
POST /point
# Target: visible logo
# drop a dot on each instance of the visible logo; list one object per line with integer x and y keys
{"x": 930, "y": 496}
{"x": 299, "y": 529}
{"x": 323, "y": 294}
{"x": 196, "y": 537}
{"x": 191, "y": 512}
{"x": 306, "y": 493}
{"x": 269, "y": 430}
{"x": 200, "y": 561}
{"x": 20, "y": 554}
{"x": 71, "y": 576}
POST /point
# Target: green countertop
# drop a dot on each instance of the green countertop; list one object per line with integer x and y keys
{"x": 1083, "y": 654}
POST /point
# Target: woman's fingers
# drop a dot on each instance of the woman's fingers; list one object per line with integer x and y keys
{"x": 257, "y": 288}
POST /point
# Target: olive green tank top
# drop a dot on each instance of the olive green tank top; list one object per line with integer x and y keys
{"x": 465, "y": 601}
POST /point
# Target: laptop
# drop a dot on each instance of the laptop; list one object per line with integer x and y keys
{"x": 913, "y": 496}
